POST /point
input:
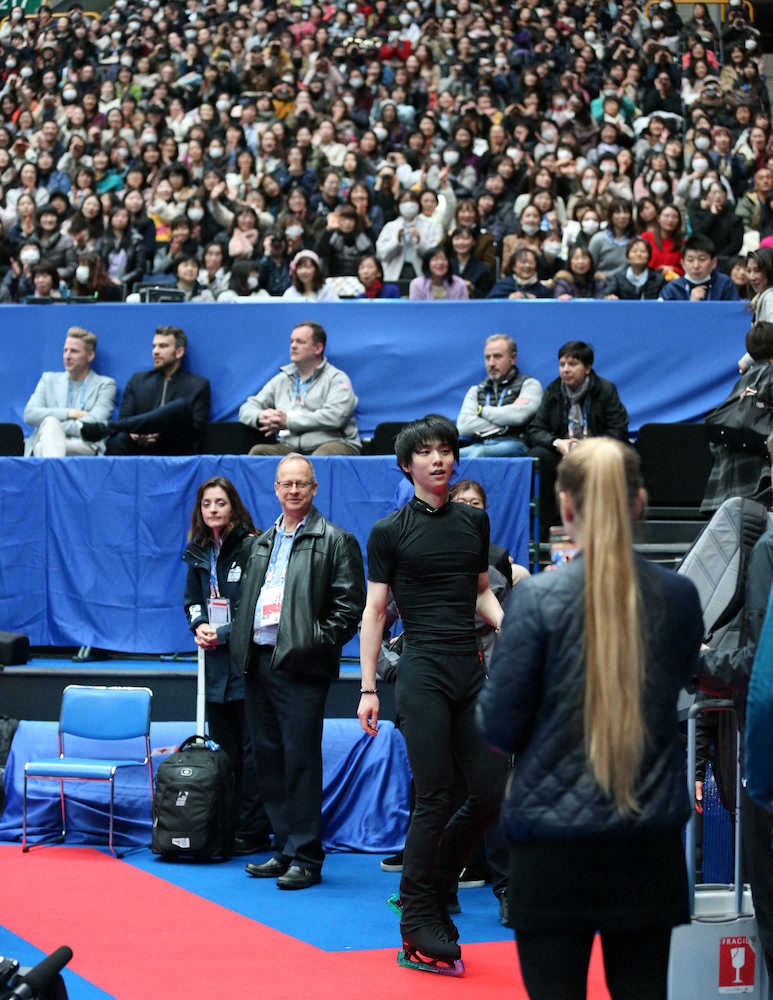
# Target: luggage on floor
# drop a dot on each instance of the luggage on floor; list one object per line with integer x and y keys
{"x": 718, "y": 954}
{"x": 193, "y": 805}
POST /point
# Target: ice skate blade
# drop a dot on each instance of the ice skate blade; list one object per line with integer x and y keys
{"x": 423, "y": 964}
{"x": 394, "y": 904}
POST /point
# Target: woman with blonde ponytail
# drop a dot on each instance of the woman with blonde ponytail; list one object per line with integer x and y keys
{"x": 583, "y": 689}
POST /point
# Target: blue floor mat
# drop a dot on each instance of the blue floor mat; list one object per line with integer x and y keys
{"x": 347, "y": 911}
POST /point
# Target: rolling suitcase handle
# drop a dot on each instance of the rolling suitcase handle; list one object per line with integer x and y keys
{"x": 200, "y": 693}
{"x": 712, "y": 705}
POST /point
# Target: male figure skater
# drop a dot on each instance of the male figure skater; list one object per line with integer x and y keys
{"x": 434, "y": 556}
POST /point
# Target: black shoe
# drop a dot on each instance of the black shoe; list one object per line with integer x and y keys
{"x": 93, "y": 430}
{"x": 393, "y": 863}
{"x": 472, "y": 878}
{"x": 504, "y": 907}
{"x": 250, "y": 845}
{"x": 272, "y": 868}
{"x": 299, "y": 877}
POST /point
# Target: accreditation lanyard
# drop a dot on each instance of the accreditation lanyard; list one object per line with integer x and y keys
{"x": 218, "y": 608}
{"x": 497, "y": 396}
{"x": 301, "y": 388}
{"x": 69, "y": 395}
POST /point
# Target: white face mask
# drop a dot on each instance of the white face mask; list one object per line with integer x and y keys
{"x": 552, "y": 248}
{"x": 216, "y": 152}
{"x": 529, "y": 228}
{"x": 659, "y": 187}
{"x": 750, "y": 45}
{"x": 700, "y": 165}
{"x": 17, "y": 15}
{"x": 409, "y": 210}
{"x": 29, "y": 256}
{"x": 707, "y": 182}
{"x": 702, "y": 142}
{"x": 25, "y": 72}
{"x": 549, "y": 135}
{"x": 223, "y": 105}
{"x": 196, "y": 214}
{"x": 348, "y": 100}
{"x": 380, "y": 132}
{"x": 293, "y": 232}
{"x": 405, "y": 19}
{"x": 588, "y": 183}
{"x": 126, "y": 60}
{"x": 82, "y": 274}
{"x": 69, "y": 94}
{"x": 451, "y": 156}
{"x": 590, "y": 226}
{"x": 657, "y": 24}
{"x": 252, "y": 282}
{"x": 10, "y": 63}
{"x": 608, "y": 167}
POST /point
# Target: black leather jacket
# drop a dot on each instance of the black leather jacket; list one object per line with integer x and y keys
{"x": 324, "y": 596}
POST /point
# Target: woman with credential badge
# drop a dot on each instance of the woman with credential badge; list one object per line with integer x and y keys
{"x": 583, "y": 688}
{"x": 220, "y": 525}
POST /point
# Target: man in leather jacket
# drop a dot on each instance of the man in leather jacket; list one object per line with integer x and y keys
{"x": 303, "y": 592}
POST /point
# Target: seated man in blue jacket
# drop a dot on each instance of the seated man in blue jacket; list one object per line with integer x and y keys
{"x": 702, "y": 281}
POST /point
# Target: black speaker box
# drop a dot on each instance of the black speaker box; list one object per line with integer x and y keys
{"x": 14, "y": 648}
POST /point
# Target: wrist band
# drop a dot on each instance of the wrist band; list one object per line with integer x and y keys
{"x": 368, "y": 691}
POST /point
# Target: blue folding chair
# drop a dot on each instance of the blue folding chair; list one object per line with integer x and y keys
{"x": 95, "y": 713}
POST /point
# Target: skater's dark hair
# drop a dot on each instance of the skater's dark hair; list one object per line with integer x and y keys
{"x": 433, "y": 427}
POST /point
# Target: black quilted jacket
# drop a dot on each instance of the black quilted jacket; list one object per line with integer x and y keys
{"x": 532, "y": 705}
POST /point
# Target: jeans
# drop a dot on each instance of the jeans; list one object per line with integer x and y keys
{"x": 496, "y": 447}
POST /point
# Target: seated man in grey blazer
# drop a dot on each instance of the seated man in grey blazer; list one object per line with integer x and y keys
{"x": 63, "y": 401}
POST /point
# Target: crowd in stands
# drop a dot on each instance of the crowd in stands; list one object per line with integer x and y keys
{"x": 435, "y": 149}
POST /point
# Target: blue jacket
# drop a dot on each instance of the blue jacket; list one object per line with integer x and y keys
{"x": 721, "y": 288}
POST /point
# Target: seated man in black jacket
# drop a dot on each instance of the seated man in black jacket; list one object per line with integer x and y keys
{"x": 163, "y": 411}
{"x": 576, "y": 405}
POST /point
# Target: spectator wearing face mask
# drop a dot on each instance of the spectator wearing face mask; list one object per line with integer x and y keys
{"x": 245, "y": 284}
{"x": 91, "y": 280}
{"x": 402, "y": 244}
{"x": 18, "y": 281}
{"x": 701, "y": 281}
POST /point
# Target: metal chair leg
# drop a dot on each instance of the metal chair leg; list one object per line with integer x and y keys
{"x": 24, "y": 845}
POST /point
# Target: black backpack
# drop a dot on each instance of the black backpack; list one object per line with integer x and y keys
{"x": 194, "y": 802}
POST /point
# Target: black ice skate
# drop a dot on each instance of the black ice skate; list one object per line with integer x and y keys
{"x": 429, "y": 949}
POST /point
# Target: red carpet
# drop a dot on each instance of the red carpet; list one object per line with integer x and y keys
{"x": 138, "y": 937}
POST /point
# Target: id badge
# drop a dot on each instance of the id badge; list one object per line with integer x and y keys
{"x": 219, "y": 611}
{"x": 270, "y": 606}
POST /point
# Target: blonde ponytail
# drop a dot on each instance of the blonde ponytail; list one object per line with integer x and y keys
{"x": 601, "y": 475}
